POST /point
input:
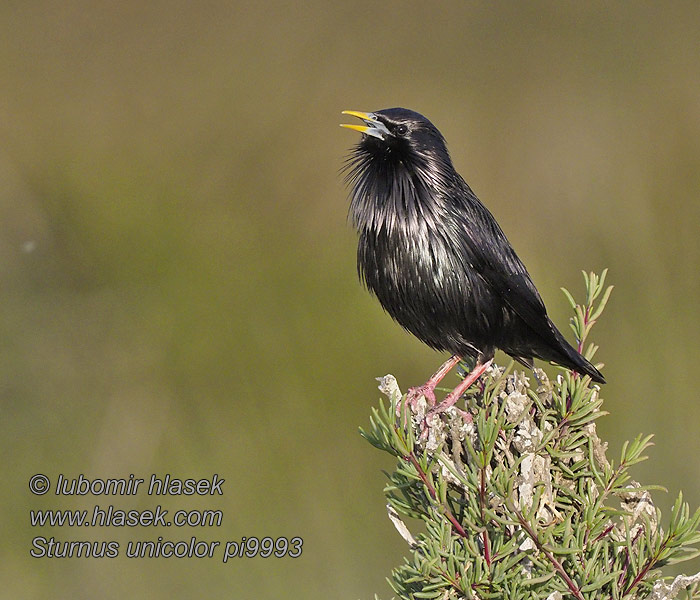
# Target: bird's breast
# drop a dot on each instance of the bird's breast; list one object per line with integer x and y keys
{"x": 423, "y": 279}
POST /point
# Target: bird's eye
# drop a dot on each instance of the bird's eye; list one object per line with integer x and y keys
{"x": 401, "y": 130}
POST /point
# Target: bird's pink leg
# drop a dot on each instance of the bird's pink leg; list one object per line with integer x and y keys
{"x": 428, "y": 388}
{"x": 463, "y": 386}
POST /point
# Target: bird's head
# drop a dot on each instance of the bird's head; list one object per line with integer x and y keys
{"x": 398, "y": 132}
{"x": 400, "y": 164}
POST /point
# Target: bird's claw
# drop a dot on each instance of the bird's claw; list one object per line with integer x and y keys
{"x": 434, "y": 409}
{"x": 426, "y": 391}
{"x": 410, "y": 401}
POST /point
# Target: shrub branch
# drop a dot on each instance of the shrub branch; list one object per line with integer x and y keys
{"x": 517, "y": 496}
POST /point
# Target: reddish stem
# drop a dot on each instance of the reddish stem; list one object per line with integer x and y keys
{"x": 571, "y": 584}
{"x": 650, "y": 563}
{"x": 482, "y": 502}
{"x": 433, "y": 493}
{"x": 603, "y": 533}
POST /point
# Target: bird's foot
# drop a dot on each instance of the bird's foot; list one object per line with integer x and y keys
{"x": 427, "y": 390}
{"x": 437, "y": 409}
{"x": 411, "y": 401}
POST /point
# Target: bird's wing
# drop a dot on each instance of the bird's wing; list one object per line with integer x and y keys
{"x": 508, "y": 277}
{"x": 494, "y": 259}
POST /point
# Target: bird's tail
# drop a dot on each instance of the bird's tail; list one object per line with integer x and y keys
{"x": 573, "y": 360}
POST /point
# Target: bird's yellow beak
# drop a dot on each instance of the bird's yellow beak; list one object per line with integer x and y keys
{"x": 373, "y": 126}
{"x": 360, "y": 115}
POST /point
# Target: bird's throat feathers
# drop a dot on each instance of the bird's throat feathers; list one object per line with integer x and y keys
{"x": 394, "y": 186}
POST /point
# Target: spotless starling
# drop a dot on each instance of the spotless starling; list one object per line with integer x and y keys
{"x": 436, "y": 258}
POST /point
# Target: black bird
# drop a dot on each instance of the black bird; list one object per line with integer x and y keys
{"x": 436, "y": 258}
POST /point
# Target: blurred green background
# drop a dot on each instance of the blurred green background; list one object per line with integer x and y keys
{"x": 178, "y": 276}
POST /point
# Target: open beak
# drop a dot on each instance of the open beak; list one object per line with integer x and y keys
{"x": 373, "y": 126}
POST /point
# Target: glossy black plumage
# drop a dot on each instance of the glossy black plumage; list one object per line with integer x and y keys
{"x": 435, "y": 257}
